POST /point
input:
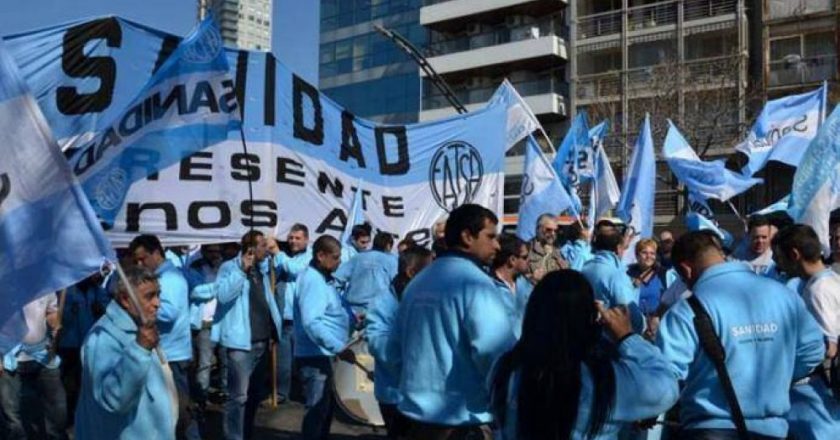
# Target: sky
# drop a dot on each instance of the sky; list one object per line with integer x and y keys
{"x": 295, "y": 22}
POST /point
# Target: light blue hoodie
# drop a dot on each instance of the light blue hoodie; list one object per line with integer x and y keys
{"x": 174, "y": 314}
{"x": 77, "y": 318}
{"x": 644, "y": 388}
{"x": 124, "y": 393}
{"x": 378, "y": 331}
{"x": 611, "y": 284}
{"x": 232, "y": 322}
{"x": 322, "y": 325}
{"x": 577, "y": 253}
{"x": 288, "y": 270}
{"x": 451, "y": 326}
{"x": 368, "y": 274}
{"x": 769, "y": 339}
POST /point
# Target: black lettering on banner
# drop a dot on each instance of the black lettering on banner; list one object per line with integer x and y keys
{"x": 76, "y": 64}
{"x": 134, "y": 210}
{"x": 365, "y": 194}
{"x": 241, "y": 79}
{"x": 350, "y": 145}
{"x": 393, "y": 206}
{"x": 5, "y": 187}
{"x": 329, "y": 222}
{"x": 255, "y": 217}
{"x": 227, "y": 102}
{"x": 194, "y": 217}
{"x": 401, "y": 165}
{"x": 285, "y": 170}
{"x": 336, "y": 186}
{"x": 244, "y": 167}
{"x": 420, "y": 236}
{"x": 802, "y": 124}
{"x": 169, "y": 44}
{"x": 315, "y": 134}
{"x": 270, "y": 86}
{"x": 189, "y": 165}
{"x": 203, "y": 96}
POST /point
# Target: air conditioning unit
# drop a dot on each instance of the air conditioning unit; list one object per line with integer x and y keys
{"x": 474, "y": 29}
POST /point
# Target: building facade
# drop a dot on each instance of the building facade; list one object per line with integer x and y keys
{"x": 245, "y": 24}
{"x": 364, "y": 71}
{"x": 475, "y": 45}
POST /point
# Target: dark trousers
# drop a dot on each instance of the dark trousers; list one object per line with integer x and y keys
{"x": 33, "y": 403}
{"x": 247, "y": 377}
{"x": 427, "y": 431}
{"x": 395, "y": 422}
{"x": 187, "y": 426}
{"x": 71, "y": 377}
{"x": 316, "y": 377}
{"x": 719, "y": 434}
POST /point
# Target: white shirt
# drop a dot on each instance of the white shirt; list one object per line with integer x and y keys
{"x": 35, "y": 314}
{"x": 822, "y": 297}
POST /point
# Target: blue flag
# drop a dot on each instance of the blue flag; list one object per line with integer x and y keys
{"x": 704, "y": 179}
{"x": 49, "y": 235}
{"x": 603, "y": 192}
{"x": 784, "y": 129}
{"x": 542, "y": 192}
{"x": 355, "y": 216}
{"x": 635, "y": 207}
{"x": 521, "y": 121}
{"x": 780, "y": 206}
{"x": 816, "y": 184}
{"x": 570, "y": 160}
{"x": 187, "y": 105}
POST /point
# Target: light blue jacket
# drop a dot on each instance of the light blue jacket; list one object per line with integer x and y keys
{"x": 288, "y": 270}
{"x": 769, "y": 339}
{"x": 451, "y": 326}
{"x": 124, "y": 393}
{"x": 378, "y": 331}
{"x": 78, "y": 318}
{"x": 516, "y": 302}
{"x": 174, "y": 314}
{"x": 577, "y": 253}
{"x": 367, "y": 275}
{"x": 201, "y": 282}
{"x": 322, "y": 325}
{"x": 611, "y": 284}
{"x": 644, "y": 388}
{"x": 232, "y": 322}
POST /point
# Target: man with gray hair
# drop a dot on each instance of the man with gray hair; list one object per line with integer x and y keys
{"x": 127, "y": 392}
{"x": 544, "y": 256}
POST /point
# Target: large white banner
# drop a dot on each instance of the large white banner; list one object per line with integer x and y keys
{"x": 302, "y": 157}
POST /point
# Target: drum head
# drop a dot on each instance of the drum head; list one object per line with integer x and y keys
{"x": 354, "y": 387}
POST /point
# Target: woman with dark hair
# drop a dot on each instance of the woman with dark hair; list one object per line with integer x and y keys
{"x": 562, "y": 380}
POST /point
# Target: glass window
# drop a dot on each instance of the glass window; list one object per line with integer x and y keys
{"x": 819, "y": 44}
{"x": 782, "y": 47}
{"x": 345, "y": 65}
{"x": 343, "y": 49}
{"x": 361, "y": 45}
{"x": 327, "y": 53}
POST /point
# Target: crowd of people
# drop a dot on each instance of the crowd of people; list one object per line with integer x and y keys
{"x": 478, "y": 334}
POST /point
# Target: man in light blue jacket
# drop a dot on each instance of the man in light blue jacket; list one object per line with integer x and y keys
{"x": 368, "y": 274}
{"x": 126, "y": 390}
{"x": 608, "y": 275}
{"x": 247, "y": 319}
{"x": 173, "y": 321}
{"x": 577, "y": 251}
{"x": 322, "y": 329}
{"x": 815, "y": 411}
{"x": 451, "y": 326}
{"x": 288, "y": 268}
{"x": 378, "y": 330}
{"x": 768, "y": 337}
{"x": 509, "y": 268}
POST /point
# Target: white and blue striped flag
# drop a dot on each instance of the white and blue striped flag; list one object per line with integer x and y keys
{"x": 784, "y": 129}
{"x": 542, "y": 192}
{"x": 816, "y": 184}
{"x": 188, "y": 105}
{"x": 49, "y": 235}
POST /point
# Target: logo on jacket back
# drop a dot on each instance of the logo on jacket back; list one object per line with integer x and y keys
{"x": 456, "y": 174}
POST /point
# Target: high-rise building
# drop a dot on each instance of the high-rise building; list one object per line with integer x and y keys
{"x": 475, "y": 45}
{"x": 245, "y": 24}
{"x": 364, "y": 71}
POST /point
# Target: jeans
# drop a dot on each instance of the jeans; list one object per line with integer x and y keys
{"x": 284, "y": 361}
{"x": 718, "y": 434}
{"x": 247, "y": 377}
{"x": 39, "y": 390}
{"x": 187, "y": 426}
{"x": 203, "y": 363}
{"x": 316, "y": 378}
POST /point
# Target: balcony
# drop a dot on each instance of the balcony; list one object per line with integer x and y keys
{"x": 500, "y": 45}
{"x": 805, "y": 71}
{"x": 436, "y": 12}
{"x": 654, "y": 18}
{"x": 549, "y": 104}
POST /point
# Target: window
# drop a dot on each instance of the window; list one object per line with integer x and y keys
{"x": 782, "y": 47}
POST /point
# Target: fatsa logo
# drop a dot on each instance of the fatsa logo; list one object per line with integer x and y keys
{"x": 456, "y": 174}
